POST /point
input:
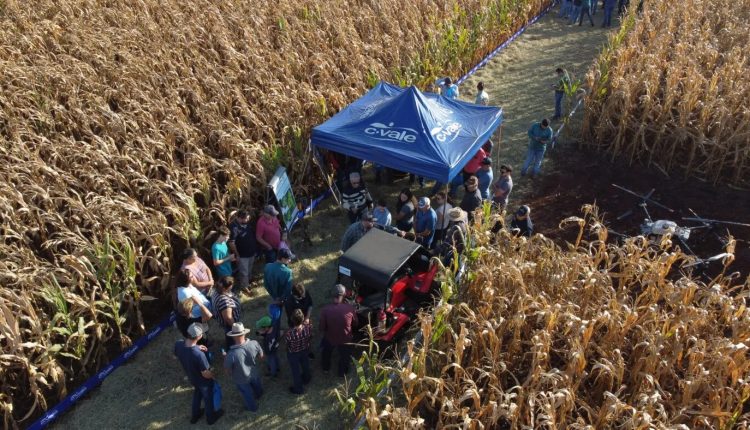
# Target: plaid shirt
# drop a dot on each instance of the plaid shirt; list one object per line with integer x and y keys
{"x": 298, "y": 340}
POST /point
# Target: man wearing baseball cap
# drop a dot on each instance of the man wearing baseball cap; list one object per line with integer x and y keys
{"x": 357, "y": 230}
{"x": 485, "y": 176}
{"x": 193, "y": 359}
{"x": 241, "y": 363}
{"x": 337, "y": 322}
{"x": 278, "y": 278}
{"x": 472, "y": 197}
{"x": 270, "y": 334}
{"x": 426, "y": 220}
{"x": 521, "y": 223}
{"x": 268, "y": 232}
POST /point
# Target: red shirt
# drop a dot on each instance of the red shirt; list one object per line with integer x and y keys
{"x": 336, "y": 322}
{"x": 269, "y": 230}
{"x": 476, "y": 162}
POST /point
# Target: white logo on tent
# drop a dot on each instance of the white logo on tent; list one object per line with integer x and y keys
{"x": 371, "y": 108}
{"x": 388, "y": 132}
{"x": 446, "y": 133}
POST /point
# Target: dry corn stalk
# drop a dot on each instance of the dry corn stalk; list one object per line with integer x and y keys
{"x": 129, "y": 127}
{"x": 672, "y": 91}
{"x": 596, "y": 336}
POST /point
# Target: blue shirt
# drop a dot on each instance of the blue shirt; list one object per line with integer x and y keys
{"x": 194, "y": 362}
{"x": 485, "y": 180}
{"x": 277, "y": 278}
{"x": 382, "y": 216}
{"x": 452, "y": 91}
{"x": 426, "y": 220}
{"x": 536, "y": 132}
{"x": 220, "y": 251}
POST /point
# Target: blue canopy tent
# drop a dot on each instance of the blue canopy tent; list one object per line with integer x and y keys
{"x": 407, "y": 130}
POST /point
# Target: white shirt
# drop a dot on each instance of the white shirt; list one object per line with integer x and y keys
{"x": 482, "y": 98}
{"x": 439, "y": 212}
{"x": 190, "y": 291}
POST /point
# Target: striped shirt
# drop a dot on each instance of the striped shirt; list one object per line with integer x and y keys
{"x": 355, "y": 198}
{"x": 298, "y": 338}
{"x": 223, "y": 301}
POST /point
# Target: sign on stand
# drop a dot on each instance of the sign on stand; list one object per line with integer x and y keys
{"x": 282, "y": 191}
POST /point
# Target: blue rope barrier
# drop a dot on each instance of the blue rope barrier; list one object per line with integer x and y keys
{"x": 53, "y": 413}
{"x": 505, "y": 44}
{"x": 562, "y": 126}
{"x": 308, "y": 210}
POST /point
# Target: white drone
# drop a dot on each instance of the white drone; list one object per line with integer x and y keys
{"x": 656, "y": 230}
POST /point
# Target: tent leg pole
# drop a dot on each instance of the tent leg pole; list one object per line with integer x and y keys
{"x": 331, "y": 186}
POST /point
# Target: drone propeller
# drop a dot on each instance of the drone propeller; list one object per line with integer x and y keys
{"x": 708, "y": 222}
{"x": 644, "y": 198}
{"x": 610, "y": 231}
{"x": 625, "y": 214}
{"x": 702, "y": 261}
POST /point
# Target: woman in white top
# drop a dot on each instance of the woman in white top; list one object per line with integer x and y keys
{"x": 186, "y": 290}
{"x": 482, "y": 97}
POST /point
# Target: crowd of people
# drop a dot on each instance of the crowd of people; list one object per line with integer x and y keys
{"x": 575, "y": 10}
{"x": 207, "y": 295}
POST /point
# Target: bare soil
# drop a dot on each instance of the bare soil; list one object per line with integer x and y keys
{"x": 152, "y": 392}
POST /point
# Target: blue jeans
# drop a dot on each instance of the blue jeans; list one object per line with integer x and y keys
{"x": 586, "y": 12}
{"x": 251, "y": 392}
{"x": 565, "y": 8}
{"x": 272, "y": 358}
{"x": 203, "y": 393}
{"x": 424, "y": 242}
{"x": 345, "y": 354}
{"x": 299, "y": 363}
{"x": 559, "y": 95}
{"x": 533, "y": 157}
{"x": 574, "y": 12}
{"x": 593, "y": 6}
{"x": 608, "y": 16}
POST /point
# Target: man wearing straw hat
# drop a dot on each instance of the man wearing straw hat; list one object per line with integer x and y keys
{"x": 241, "y": 363}
{"x": 455, "y": 236}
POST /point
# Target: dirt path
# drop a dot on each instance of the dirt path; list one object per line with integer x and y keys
{"x": 519, "y": 81}
{"x": 151, "y": 392}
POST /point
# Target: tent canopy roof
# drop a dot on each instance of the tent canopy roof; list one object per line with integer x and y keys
{"x": 405, "y": 129}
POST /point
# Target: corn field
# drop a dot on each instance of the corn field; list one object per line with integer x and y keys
{"x": 130, "y": 128}
{"x": 597, "y": 336}
{"x": 671, "y": 90}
